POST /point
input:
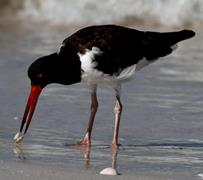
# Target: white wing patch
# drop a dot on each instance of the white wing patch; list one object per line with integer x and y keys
{"x": 143, "y": 62}
{"x": 174, "y": 47}
{"x": 126, "y": 73}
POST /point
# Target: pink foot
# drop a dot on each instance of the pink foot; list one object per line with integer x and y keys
{"x": 84, "y": 145}
{"x": 85, "y": 142}
{"x": 115, "y": 146}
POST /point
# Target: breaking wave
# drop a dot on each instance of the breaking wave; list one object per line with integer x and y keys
{"x": 167, "y": 12}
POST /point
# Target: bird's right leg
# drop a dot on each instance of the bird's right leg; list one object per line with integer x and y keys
{"x": 93, "y": 109}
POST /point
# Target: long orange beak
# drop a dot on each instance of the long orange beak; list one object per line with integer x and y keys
{"x": 30, "y": 107}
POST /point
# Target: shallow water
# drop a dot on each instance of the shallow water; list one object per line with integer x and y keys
{"x": 161, "y": 129}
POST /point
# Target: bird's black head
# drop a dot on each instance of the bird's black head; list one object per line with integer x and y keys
{"x": 55, "y": 68}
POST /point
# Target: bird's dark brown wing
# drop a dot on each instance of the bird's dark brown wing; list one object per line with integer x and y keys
{"x": 122, "y": 47}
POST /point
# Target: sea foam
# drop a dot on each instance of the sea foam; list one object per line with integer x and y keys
{"x": 167, "y": 12}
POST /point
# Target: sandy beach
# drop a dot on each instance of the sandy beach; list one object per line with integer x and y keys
{"x": 24, "y": 171}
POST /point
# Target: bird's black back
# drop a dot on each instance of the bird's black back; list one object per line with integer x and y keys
{"x": 122, "y": 47}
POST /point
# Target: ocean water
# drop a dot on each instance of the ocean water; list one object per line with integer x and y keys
{"x": 167, "y": 12}
{"x": 161, "y": 129}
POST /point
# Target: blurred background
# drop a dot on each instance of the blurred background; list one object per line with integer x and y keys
{"x": 128, "y": 12}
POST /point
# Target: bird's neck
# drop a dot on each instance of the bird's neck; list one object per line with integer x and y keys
{"x": 68, "y": 69}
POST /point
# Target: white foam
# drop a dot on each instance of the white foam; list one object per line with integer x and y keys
{"x": 166, "y": 12}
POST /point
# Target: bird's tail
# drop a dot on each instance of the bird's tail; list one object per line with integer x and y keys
{"x": 161, "y": 44}
{"x": 171, "y": 38}
{"x": 175, "y": 37}
{"x": 187, "y": 34}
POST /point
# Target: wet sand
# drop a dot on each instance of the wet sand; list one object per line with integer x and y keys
{"x": 22, "y": 171}
{"x": 161, "y": 129}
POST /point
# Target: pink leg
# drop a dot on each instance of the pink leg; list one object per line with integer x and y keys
{"x": 118, "y": 110}
{"x": 94, "y": 106}
{"x": 114, "y": 154}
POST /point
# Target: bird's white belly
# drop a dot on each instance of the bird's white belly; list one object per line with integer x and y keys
{"x": 92, "y": 75}
{"x": 88, "y": 66}
{"x": 97, "y": 76}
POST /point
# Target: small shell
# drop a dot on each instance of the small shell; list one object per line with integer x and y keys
{"x": 200, "y": 175}
{"x": 109, "y": 171}
{"x": 18, "y": 137}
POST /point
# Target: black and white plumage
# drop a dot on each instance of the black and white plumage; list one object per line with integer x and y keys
{"x": 99, "y": 54}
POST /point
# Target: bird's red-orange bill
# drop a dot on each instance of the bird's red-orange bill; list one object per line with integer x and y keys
{"x": 30, "y": 107}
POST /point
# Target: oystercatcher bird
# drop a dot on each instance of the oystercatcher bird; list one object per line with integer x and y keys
{"x": 107, "y": 54}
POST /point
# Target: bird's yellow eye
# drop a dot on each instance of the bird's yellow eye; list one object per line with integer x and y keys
{"x": 40, "y": 75}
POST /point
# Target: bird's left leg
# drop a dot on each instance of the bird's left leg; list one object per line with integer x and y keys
{"x": 118, "y": 111}
{"x": 93, "y": 109}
